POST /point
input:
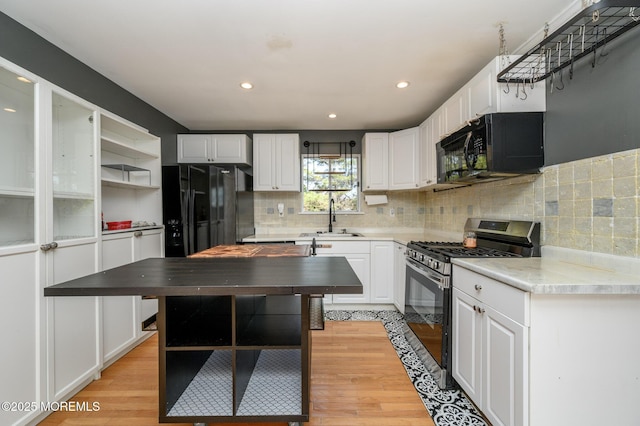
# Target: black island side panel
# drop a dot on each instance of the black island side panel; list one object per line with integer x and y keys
{"x": 217, "y": 276}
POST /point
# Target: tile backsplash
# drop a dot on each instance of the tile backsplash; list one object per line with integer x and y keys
{"x": 590, "y": 204}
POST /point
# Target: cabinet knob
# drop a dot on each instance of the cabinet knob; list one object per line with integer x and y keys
{"x": 478, "y": 287}
{"x": 137, "y": 234}
{"x": 49, "y": 246}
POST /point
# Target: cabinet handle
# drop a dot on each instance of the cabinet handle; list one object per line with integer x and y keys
{"x": 478, "y": 287}
{"x": 49, "y": 246}
{"x": 137, "y": 234}
{"x": 478, "y": 309}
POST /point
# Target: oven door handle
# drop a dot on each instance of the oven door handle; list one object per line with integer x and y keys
{"x": 442, "y": 281}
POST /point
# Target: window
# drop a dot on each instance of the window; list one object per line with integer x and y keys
{"x": 326, "y": 177}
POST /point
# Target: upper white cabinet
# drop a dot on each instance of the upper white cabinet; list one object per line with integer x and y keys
{"x": 131, "y": 171}
{"x": 404, "y": 159}
{"x": 486, "y": 95}
{"x": 215, "y": 149}
{"x": 276, "y": 162}
{"x": 428, "y": 167}
{"x": 375, "y": 161}
{"x": 456, "y": 110}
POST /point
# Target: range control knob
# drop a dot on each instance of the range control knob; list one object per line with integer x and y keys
{"x": 436, "y": 264}
{"x": 422, "y": 258}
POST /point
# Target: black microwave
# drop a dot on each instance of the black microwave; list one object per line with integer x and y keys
{"x": 492, "y": 146}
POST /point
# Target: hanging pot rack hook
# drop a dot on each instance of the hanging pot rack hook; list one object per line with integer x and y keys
{"x": 507, "y": 90}
{"x": 559, "y": 48}
{"x": 524, "y": 91}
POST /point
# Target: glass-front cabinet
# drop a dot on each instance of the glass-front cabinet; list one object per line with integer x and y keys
{"x": 17, "y": 162}
{"x": 74, "y": 169}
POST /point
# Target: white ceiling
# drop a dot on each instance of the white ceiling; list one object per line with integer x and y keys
{"x": 306, "y": 58}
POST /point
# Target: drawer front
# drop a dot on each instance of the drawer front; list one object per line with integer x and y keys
{"x": 512, "y": 302}
{"x": 344, "y": 247}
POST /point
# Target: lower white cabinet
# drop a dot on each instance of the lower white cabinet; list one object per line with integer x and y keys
{"x": 490, "y": 346}
{"x": 122, "y": 316}
{"x": 372, "y": 261}
{"x": 72, "y": 334}
{"x": 382, "y": 273}
{"x": 399, "y": 275}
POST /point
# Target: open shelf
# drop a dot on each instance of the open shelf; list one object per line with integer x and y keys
{"x": 116, "y": 147}
{"x": 234, "y": 358}
{"x": 268, "y": 320}
{"x": 208, "y": 393}
{"x": 198, "y": 321}
{"x": 275, "y": 385}
{"x": 127, "y": 185}
{"x": 587, "y": 33}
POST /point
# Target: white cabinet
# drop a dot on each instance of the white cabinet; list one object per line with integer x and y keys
{"x": 122, "y": 316}
{"x": 404, "y": 159}
{"x": 375, "y": 161}
{"x": 490, "y": 346}
{"x": 382, "y": 272}
{"x": 428, "y": 162}
{"x": 69, "y": 241}
{"x": 399, "y": 275}
{"x": 276, "y": 162}
{"x": 215, "y": 149}
{"x": 456, "y": 110}
{"x": 52, "y": 188}
{"x": 486, "y": 95}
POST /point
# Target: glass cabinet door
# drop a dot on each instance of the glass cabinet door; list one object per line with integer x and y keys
{"x": 17, "y": 171}
{"x": 74, "y": 166}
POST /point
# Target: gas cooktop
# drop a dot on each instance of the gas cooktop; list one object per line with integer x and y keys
{"x": 457, "y": 250}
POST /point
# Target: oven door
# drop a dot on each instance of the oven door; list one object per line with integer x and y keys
{"x": 427, "y": 309}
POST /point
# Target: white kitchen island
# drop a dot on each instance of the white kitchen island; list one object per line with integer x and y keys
{"x": 567, "y": 326}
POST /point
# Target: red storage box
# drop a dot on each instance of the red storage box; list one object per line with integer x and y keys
{"x": 124, "y": 224}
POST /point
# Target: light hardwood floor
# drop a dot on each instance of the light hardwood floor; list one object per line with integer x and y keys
{"x": 356, "y": 379}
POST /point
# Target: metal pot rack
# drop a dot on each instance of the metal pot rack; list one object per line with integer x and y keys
{"x": 587, "y": 33}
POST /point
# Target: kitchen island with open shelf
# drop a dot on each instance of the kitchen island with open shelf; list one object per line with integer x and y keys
{"x": 234, "y": 333}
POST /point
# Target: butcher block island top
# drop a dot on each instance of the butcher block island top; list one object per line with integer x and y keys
{"x": 217, "y": 276}
{"x": 255, "y": 250}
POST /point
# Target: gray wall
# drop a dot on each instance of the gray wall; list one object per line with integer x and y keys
{"x": 598, "y": 112}
{"x": 25, "y": 48}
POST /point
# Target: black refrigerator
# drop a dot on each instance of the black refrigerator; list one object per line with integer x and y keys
{"x": 204, "y": 206}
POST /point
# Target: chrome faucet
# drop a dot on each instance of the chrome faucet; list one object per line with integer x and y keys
{"x": 331, "y": 206}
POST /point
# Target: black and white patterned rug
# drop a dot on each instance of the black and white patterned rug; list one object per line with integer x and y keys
{"x": 446, "y": 407}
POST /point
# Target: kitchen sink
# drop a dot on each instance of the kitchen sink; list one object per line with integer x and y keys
{"x": 321, "y": 234}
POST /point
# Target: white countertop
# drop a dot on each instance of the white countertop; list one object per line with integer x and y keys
{"x": 562, "y": 271}
{"x": 402, "y": 236}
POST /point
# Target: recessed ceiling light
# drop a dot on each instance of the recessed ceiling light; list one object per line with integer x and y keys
{"x": 332, "y": 115}
{"x": 402, "y": 84}
{"x": 9, "y": 109}
{"x": 24, "y": 79}
{"x": 246, "y": 85}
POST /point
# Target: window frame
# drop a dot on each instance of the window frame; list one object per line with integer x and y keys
{"x": 358, "y": 187}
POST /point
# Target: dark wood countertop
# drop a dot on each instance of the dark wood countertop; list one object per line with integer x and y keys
{"x": 217, "y": 276}
{"x": 255, "y": 250}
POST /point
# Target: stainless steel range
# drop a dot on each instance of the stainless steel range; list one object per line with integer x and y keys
{"x": 428, "y": 283}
